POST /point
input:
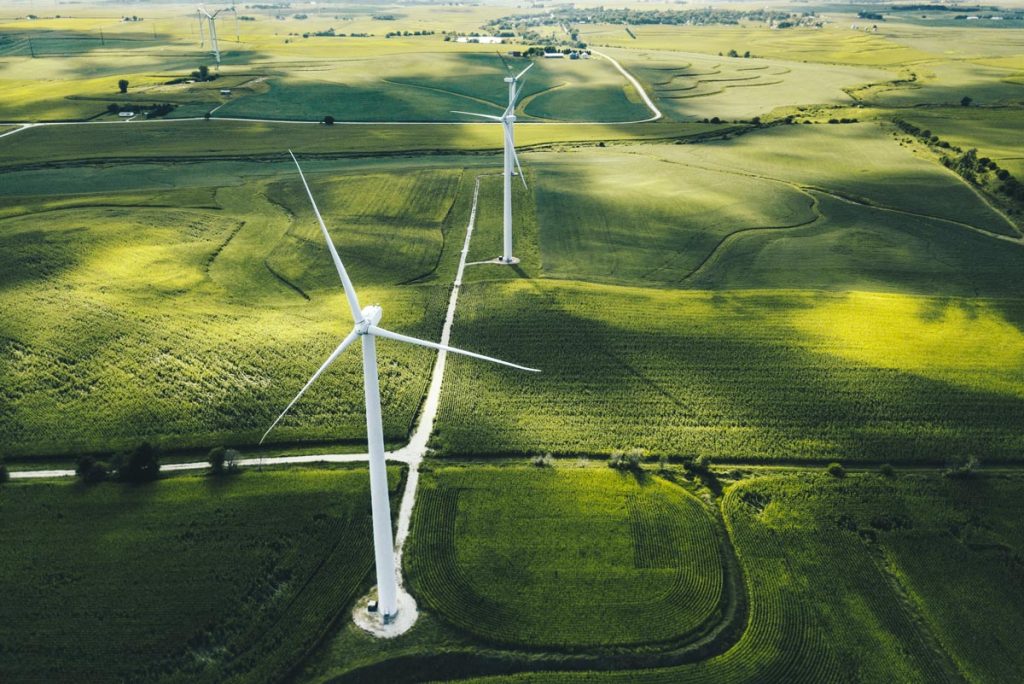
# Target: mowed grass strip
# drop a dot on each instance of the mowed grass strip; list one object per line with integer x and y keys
{"x": 184, "y": 579}
{"x": 768, "y": 376}
{"x": 589, "y": 558}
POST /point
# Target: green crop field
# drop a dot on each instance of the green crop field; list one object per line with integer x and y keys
{"x": 187, "y": 579}
{"x": 995, "y": 133}
{"x": 850, "y": 580}
{"x": 191, "y": 317}
{"x": 536, "y": 579}
{"x": 825, "y": 207}
{"x": 762, "y": 375}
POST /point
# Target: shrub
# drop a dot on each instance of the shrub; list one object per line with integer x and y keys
{"x": 542, "y": 461}
{"x": 328, "y": 120}
{"x": 700, "y": 465}
{"x": 223, "y": 461}
{"x": 836, "y": 470}
{"x": 5, "y": 474}
{"x": 626, "y": 460}
{"x": 141, "y": 464}
{"x": 962, "y": 467}
{"x": 887, "y": 470}
{"x": 91, "y": 471}
{"x": 122, "y": 85}
{"x": 966, "y": 101}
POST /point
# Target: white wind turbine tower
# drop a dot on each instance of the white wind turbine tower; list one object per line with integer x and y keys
{"x": 211, "y": 22}
{"x": 507, "y": 120}
{"x": 367, "y": 330}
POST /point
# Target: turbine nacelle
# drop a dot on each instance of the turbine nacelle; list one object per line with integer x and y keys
{"x": 371, "y": 317}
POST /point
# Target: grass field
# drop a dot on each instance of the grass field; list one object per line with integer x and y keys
{"x": 537, "y": 579}
{"x": 419, "y": 87}
{"x": 833, "y": 45}
{"x": 824, "y": 207}
{"x": 689, "y": 86}
{"x": 759, "y": 375}
{"x": 994, "y": 132}
{"x": 186, "y": 579}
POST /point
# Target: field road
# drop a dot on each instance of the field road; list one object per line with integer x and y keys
{"x": 655, "y": 112}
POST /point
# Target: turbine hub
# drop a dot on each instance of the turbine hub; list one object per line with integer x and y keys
{"x": 371, "y": 316}
{"x": 509, "y": 79}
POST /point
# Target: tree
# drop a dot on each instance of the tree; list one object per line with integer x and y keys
{"x": 123, "y": 85}
{"x": 141, "y": 464}
{"x": 733, "y": 53}
{"x": 966, "y": 101}
{"x": 223, "y": 461}
{"x": 5, "y": 475}
{"x": 887, "y": 470}
{"x": 328, "y": 120}
{"x": 91, "y": 471}
{"x": 836, "y": 470}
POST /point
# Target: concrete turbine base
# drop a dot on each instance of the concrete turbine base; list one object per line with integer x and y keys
{"x": 373, "y": 623}
{"x": 502, "y": 262}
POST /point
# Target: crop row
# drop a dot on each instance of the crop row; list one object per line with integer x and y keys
{"x": 179, "y": 581}
{"x": 99, "y": 351}
{"x": 563, "y": 572}
{"x": 729, "y": 376}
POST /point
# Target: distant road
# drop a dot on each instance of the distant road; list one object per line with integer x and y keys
{"x": 636, "y": 84}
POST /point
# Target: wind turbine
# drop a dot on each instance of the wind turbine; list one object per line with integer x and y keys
{"x": 367, "y": 330}
{"x": 507, "y": 120}
{"x": 211, "y": 21}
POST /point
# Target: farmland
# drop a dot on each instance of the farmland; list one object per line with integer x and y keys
{"x": 839, "y": 588}
{"x": 659, "y": 551}
{"x": 769, "y": 271}
{"x": 177, "y": 350}
{"x": 172, "y": 581}
{"x": 797, "y": 376}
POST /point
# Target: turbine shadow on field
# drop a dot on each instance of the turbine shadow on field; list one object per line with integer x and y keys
{"x": 727, "y": 386}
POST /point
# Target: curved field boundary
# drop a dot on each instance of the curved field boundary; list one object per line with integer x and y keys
{"x": 459, "y": 663}
{"x": 445, "y": 91}
{"x": 659, "y": 540}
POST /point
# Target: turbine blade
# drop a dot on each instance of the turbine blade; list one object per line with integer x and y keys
{"x": 512, "y": 103}
{"x": 521, "y": 73}
{"x": 330, "y": 359}
{"x": 381, "y": 332}
{"x": 482, "y": 116}
{"x": 350, "y": 292}
{"x": 515, "y": 157}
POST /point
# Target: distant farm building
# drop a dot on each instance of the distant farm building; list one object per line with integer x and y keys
{"x": 553, "y": 55}
{"x": 225, "y": 91}
{"x": 126, "y": 115}
{"x": 486, "y": 40}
